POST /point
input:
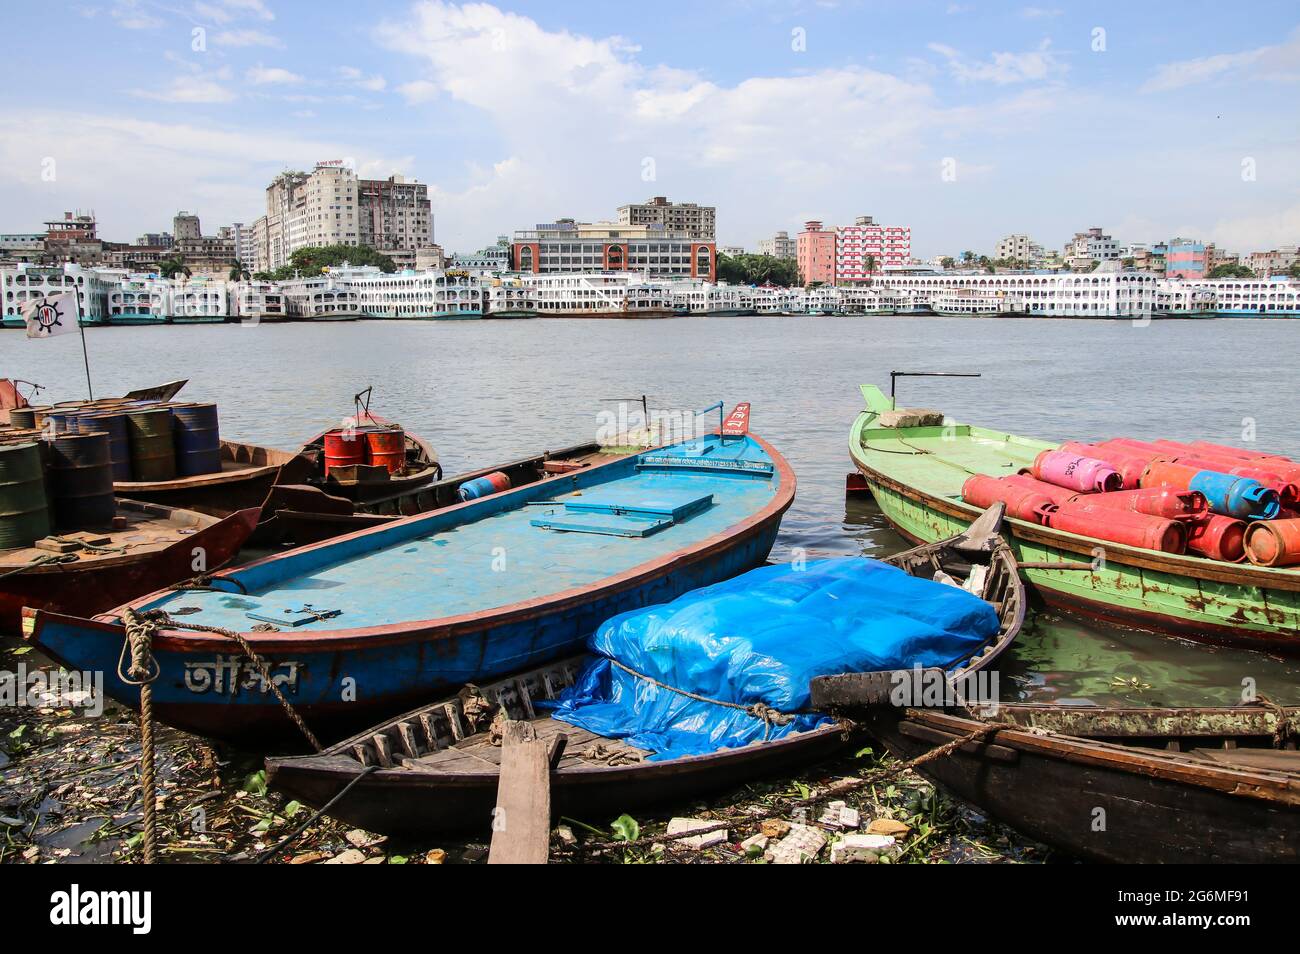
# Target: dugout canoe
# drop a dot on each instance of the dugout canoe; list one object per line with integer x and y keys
{"x": 434, "y": 770}
{"x": 151, "y": 547}
{"x": 916, "y": 474}
{"x": 366, "y": 625}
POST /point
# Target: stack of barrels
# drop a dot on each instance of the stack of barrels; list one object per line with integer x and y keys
{"x": 377, "y": 446}
{"x": 58, "y": 463}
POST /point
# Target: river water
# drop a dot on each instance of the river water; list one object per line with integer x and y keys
{"x": 485, "y": 391}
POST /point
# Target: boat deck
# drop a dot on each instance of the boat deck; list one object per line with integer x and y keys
{"x": 547, "y": 546}
{"x": 147, "y": 530}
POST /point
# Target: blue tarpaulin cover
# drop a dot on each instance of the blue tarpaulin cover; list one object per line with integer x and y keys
{"x": 762, "y": 637}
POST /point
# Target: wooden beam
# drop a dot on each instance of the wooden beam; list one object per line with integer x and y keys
{"x": 521, "y": 824}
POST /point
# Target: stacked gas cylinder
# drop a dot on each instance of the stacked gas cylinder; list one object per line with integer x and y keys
{"x": 1222, "y": 503}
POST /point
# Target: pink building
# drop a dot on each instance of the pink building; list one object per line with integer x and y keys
{"x": 865, "y": 248}
{"x": 815, "y": 254}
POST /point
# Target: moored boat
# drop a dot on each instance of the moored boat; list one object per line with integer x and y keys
{"x": 916, "y": 475}
{"x": 436, "y": 770}
{"x": 1120, "y": 785}
{"x": 149, "y": 547}
{"x": 353, "y": 631}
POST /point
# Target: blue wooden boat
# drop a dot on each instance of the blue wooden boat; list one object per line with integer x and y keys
{"x": 362, "y": 627}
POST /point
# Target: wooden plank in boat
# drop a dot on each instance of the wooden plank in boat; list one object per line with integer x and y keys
{"x": 1273, "y": 760}
{"x": 521, "y": 828}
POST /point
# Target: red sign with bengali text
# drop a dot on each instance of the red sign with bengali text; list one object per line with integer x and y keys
{"x": 736, "y": 423}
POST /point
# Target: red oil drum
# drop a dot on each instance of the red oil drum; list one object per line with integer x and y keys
{"x": 345, "y": 447}
{"x": 1169, "y": 503}
{"x": 1128, "y": 465}
{"x": 1120, "y": 526}
{"x": 386, "y": 446}
{"x": 1273, "y": 542}
{"x": 1023, "y": 503}
{"x": 1218, "y": 537}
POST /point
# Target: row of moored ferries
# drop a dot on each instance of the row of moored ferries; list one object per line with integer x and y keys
{"x": 349, "y": 293}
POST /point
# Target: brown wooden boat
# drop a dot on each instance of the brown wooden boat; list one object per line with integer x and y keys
{"x": 1126, "y": 785}
{"x": 150, "y": 546}
{"x": 436, "y": 769}
{"x": 304, "y": 514}
{"x": 247, "y": 474}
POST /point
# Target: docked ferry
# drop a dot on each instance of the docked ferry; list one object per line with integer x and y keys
{"x": 137, "y": 299}
{"x": 423, "y": 296}
{"x": 608, "y": 295}
{"x": 511, "y": 299}
{"x": 321, "y": 298}
{"x": 21, "y": 283}
{"x": 968, "y": 302}
{"x": 824, "y": 300}
{"x": 199, "y": 302}
{"x": 869, "y": 301}
{"x": 257, "y": 301}
{"x": 719, "y": 301}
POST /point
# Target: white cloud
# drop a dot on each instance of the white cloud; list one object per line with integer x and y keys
{"x": 1040, "y": 13}
{"x": 355, "y": 77}
{"x": 1003, "y": 68}
{"x": 246, "y": 38}
{"x": 418, "y": 91}
{"x": 188, "y": 89}
{"x": 1279, "y": 63}
{"x": 132, "y": 15}
{"x": 271, "y": 75}
{"x": 224, "y": 11}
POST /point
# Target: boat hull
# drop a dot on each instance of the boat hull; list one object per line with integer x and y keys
{"x": 1179, "y": 595}
{"x": 1050, "y": 788}
{"x": 96, "y": 586}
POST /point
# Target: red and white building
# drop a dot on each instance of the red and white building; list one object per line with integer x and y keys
{"x": 866, "y": 248}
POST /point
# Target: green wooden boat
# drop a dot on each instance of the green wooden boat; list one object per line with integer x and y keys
{"x": 916, "y": 475}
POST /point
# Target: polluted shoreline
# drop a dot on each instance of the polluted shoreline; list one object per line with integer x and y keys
{"x": 70, "y": 793}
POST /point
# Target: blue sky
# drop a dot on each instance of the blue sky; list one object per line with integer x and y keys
{"x": 966, "y": 121}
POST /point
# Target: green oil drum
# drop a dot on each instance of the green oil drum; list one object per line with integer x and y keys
{"x": 81, "y": 482}
{"x": 24, "y": 513}
{"x": 153, "y": 455}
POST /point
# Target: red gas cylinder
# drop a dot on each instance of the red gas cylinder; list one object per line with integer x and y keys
{"x": 1169, "y": 503}
{"x": 1164, "y": 474}
{"x": 1082, "y": 474}
{"x": 1285, "y": 468}
{"x": 1135, "y": 447}
{"x": 1058, "y": 495}
{"x": 1229, "y": 451}
{"x": 1023, "y": 503}
{"x": 344, "y": 447}
{"x": 386, "y": 446}
{"x": 1119, "y": 526}
{"x": 1273, "y": 542}
{"x": 1129, "y": 465}
{"x": 1218, "y": 537}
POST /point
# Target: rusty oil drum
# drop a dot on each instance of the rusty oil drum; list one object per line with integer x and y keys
{"x": 345, "y": 447}
{"x": 24, "y": 512}
{"x": 153, "y": 456}
{"x": 81, "y": 481}
{"x": 386, "y": 446}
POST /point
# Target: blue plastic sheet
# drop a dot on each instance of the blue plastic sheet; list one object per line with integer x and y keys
{"x": 762, "y": 637}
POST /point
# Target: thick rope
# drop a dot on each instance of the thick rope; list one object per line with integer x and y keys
{"x": 156, "y": 618}
{"x": 834, "y": 791}
{"x": 142, "y": 671}
{"x": 43, "y": 560}
{"x": 766, "y": 714}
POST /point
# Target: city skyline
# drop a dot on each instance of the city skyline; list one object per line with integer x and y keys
{"x": 952, "y": 118}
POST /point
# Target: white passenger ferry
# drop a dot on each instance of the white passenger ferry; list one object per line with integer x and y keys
{"x": 511, "y": 299}
{"x": 607, "y": 295}
{"x": 955, "y": 302}
{"x": 137, "y": 299}
{"x": 199, "y": 302}
{"x": 869, "y": 301}
{"x": 426, "y": 296}
{"x": 258, "y": 301}
{"x": 717, "y": 301}
{"x": 321, "y": 298}
{"x": 21, "y": 283}
{"x": 1252, "y": 297}
{"x": 823, "y": 300}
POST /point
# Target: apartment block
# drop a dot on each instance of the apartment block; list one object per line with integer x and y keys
{"x": 779, "y": 245}
{"x": 867, "y": 248}
{"x": 815, "y": 253}
{"x": 695, "y": 221}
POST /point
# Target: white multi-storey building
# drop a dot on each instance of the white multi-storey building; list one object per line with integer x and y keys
{"x": 1020, "y": 248}
{"x": 779, "y": 245}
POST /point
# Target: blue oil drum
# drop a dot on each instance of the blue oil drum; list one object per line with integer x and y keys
{"x": 81, "y": 481}
{"x": 197, "y": 438}
{"x": 112, "y": 423}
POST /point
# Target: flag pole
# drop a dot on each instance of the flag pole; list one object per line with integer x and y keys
{"x": 85, "y": 355}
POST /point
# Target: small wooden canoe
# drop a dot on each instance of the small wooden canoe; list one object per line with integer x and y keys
{"x": 915, "y": 474}
{"x": 1123, "y": 785}
{"x": 437, "y": 769}
{"x": 366, "y": 625}
{"x": 304, "y": 514}
{"x": 155, "y": 547}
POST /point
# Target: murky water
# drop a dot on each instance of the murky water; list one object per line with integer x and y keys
{"x": 483, "y": 391}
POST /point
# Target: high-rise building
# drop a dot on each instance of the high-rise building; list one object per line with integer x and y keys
{"x": 867, "y": 248}
{"x": 570, "y": 246}
{"x": 815, "y": 253}
{"x": 395, "y": 217}
{"x": 778, "y": 246}
{"x": 186, "y": 228}
{"x": 695, "y": 221}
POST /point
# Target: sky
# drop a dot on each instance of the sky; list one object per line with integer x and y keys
{"x": 965, "y": 121}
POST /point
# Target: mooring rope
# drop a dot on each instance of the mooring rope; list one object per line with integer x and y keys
{"x": 142, "y": 671}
